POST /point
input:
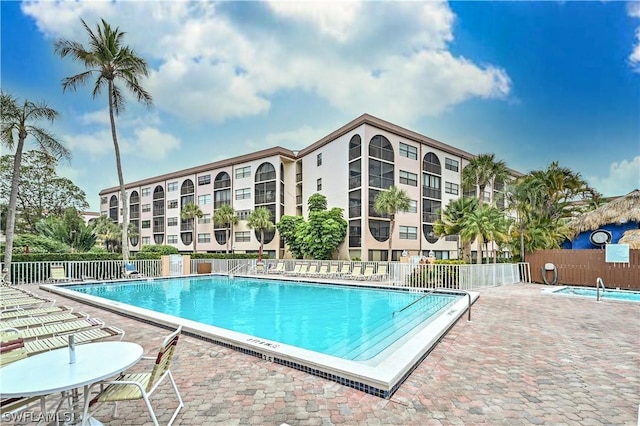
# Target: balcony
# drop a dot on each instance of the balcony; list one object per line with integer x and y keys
{"x": 355, "y": 181}
{"x": 432, "y": 192}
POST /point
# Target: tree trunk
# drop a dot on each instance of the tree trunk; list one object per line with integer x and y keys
{"x": 195, "y": 235}
{"x": 229, "y": 233}
{"x": 480, "y": 243}
{"x": 123, "y": 192}
{"x": 521, "y": 241}
{"x": 481, "y": 195}
{"x": 392, "y": 225}
{"x": 13, "y": 202}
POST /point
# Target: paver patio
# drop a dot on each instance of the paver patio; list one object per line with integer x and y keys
{"x": 526, "y": 358}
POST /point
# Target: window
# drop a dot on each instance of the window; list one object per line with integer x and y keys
{"x": 146, "y": 241}
{"x": 172, "y": 221}
{"x": 243, "y": 172}
{"x": 319, "y": 184}
{"x": 413, "y": 206}
{"x": 172, "y": 186}
{"x": 408, "y": 178}
{"x": 204, "y": 238}
{"x": 487, "y": 196}
{"x": 408, "y": 232}
{"x": 243, "y": 237}
{"x": 408, "y": 151}
{"x": 172, "y": 239}
{"x": 146, "y": 224}
{"x": 451, "y": 164}
{"x": 319, "y": 159}
{"x": 146, "y": 208}
{"x": 206, "y": 218}
{"x": 243, "y": 214}
{"x": 204, "y": 199}
{"x": 243, "y": 194}
{"x": 451, "y": 188}
{"x": 103, "y": 200}
{"x": 146, "y": 191}
{"x": 172, "y": 204}
{"x": 204, "y": 180}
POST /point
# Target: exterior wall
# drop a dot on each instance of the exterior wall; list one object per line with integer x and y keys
{"x": 300, "y": 174}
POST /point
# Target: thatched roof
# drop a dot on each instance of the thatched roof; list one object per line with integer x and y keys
{"x": 631, "y": 237}
{"x": 620, "y": 210}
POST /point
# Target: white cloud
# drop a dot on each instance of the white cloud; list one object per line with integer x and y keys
{"x": 623, "y": 178}
{"x": 633, "y": 10}
{"x": 151, "y": 144}
{"x": 387, "y": 58}
{"x": 294, "y": 139}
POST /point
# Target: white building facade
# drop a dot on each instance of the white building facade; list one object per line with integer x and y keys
{"x": 349, "y": 167}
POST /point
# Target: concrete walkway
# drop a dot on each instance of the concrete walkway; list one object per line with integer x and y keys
{"x": 526, "y": 358}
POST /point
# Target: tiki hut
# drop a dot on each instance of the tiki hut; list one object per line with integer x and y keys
{"x": 631, "y": 237}
{"x": 615, "y": 218}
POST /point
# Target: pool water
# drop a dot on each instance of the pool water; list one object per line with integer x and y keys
{"x": 611, "y": 294}
{"x": 342, "y": 321}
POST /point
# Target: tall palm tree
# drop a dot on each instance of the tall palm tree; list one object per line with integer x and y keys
{"x": 523, "y": 198}
{"x": 21, "y": 119}
{"x": 106, "y": 232}
{"x": 390, "y": 202}
{"x": 481, "y": 171}
{"x": 452, "y": 222}
{"x": 112, "y": 62}
{"x": 226, "y": 216}
{"x": 260, "y": 219}
{"x": 191, "y": 212}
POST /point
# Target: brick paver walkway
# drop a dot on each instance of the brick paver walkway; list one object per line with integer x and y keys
{"x": 526, "y": 358}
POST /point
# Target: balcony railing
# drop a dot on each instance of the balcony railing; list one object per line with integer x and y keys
{"x": 432, "y": 192}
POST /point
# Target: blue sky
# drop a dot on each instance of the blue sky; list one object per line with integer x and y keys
{"x": 532, "y": 82}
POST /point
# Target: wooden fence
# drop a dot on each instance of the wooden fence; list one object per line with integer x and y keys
{"x": 584, "y": 267}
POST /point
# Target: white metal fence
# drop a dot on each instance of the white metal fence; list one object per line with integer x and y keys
{"x": 413, "y": 274}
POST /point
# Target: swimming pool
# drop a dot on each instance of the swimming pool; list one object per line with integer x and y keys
{"x": 608, "y": 294}
{"x": 363, "y": 337}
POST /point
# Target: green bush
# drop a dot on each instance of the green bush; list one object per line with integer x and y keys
{"x": 155, "y": 252}
{"x": 225, "y": 256}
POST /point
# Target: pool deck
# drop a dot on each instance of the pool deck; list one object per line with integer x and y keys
{"x": 525, "y": 358}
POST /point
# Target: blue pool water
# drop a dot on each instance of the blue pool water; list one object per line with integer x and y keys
{"x": 347, "y": 322}
{"x": 629, "y": 296}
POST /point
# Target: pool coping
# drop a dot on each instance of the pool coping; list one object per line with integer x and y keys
{"x": 380, "y": 376}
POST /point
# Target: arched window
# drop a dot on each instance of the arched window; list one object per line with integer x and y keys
{"x": 158, "y": 214}
{"x": 187, "y": 196}
{"x": 222, "y": 180}
{"x": 429, "y": 234}
{"x": 431, "y": 163}
{"x": 134, "y": 217}
{"x": 380, "y": 147}
{"x": 379, "y": 229}
{"x": 355, "y": 147}
{"x": 113, "y": 208}
{"x": 265, "y": 195}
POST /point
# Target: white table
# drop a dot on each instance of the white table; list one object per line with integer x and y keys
{"x": 50, "y": 372}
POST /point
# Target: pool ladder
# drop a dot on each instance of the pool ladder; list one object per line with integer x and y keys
{"x": 236, "y": 269}
{"x": 599, "y": 283}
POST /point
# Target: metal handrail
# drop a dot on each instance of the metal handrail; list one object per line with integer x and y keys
{"x": 599, "y": 283}
{"x": 414, "y": 302}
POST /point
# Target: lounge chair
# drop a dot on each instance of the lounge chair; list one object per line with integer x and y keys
{"x": 84, "y": 336}
{"x": 40, "y": 320}
{"x": 59, "y": 328}
{"x": 344, "y": 271}
{"x": 323, "y": 272}
{"x": 279, "y": 269}
{"x": 356, "y": 274}
{"x": 58, "y": 275}
{"x": 135, "y": 386}
{"x": 26, "y": 301}
{"x": 382, "y": 273}
{"x": 303, "y": 270}
{"x": 129, "y": 270}
{"x": 21, "y": 313}
{"x": 367, "y": 274}
{"x": 296, "y": 269}
{"x": 310, "y": 271}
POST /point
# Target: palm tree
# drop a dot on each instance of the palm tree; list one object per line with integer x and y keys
{"x": 21, "y": 120}
{"x": 112, "y": 62}
{"x": 484, "y": 224}
{"x": 481, "y": 171}
{"x": 390, "y": 202}
{"x": 452, "y": 222}
{"x": 260, "y": 219}
{"x": 191, "y": 212}
{"x": 106, "y": 232}
{"x": 226, "y": 216}
{"x": 523, "y": 198}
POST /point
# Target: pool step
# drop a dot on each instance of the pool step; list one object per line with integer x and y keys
{"x": 385, "y": 328}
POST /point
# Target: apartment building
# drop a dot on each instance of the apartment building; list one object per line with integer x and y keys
{"x": 349, "y": 167}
